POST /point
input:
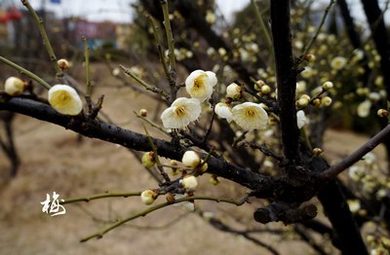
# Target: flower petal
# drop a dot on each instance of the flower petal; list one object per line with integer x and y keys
{"x": 65, "y": 100}
{"x": 182, "y": 111}
{"x": 250, "y": 116}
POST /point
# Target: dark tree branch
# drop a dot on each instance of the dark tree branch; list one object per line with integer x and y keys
{"x": 379, "y": 35}
{"x": 349, "y": 24}
{"x": 216, "y": 223}
{"x": 132, "y": 140}
{"x": 354, "y": 36}
{"x": 309, "y": 240}
{"x": 347, "y": 234}
{"x": 334, "y": 170}
{"x": 9, "y": 146}
{"x": 286, "y": 78}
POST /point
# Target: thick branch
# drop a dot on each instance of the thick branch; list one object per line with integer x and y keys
{"x": 379, "y": 35}
{"x": 286, "y": 77}
{"x": 334, "y": 170}
{"x": 132, "y": 140}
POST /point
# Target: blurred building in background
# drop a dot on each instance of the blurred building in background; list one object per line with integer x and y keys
{"x": 18, "y": 32}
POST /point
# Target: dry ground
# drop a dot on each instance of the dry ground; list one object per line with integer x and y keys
{"x": 53, "y": 160}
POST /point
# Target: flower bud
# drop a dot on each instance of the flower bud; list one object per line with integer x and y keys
{"x": 116, "y": 71}
{"x": 259, "y": 84}
{"x": 148, "y": 196}
{"x": 316, "y": 102}
{"x": 326, "y": 101}
{"x": 383, "y": 113}
{"x": 14, "y": 86}
{"x": 310, "y": 57}
{"x": 170, "y": 197}
{"x": 265, "y": 89}
{"x": 148, "y": 159}
{"x": 65, "y": 100}
{"x": 204, "y": 167}
{"x": 191, "y": 159}
{"x": 63, "y": 64}
{"x": 233, "y": 91}
{"x": 317, "y": 151}
{"x": 189, "y": 182}
{"x": 327, "y": 85}
{"x": 302, "y": 102}
{"x": 143, "y": 112}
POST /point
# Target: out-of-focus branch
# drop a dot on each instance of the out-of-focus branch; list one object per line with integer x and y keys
{"x": 379, "y": 35}
{"x": 334, "y": 170}
{"x": 286, "y": 78}
{"x": 46, "y": 42}
{"x": 216, "y": 223}
{"x": 157, "y": 207}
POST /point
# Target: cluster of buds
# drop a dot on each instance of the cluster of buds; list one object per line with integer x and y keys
{"x": 263, "y": 88}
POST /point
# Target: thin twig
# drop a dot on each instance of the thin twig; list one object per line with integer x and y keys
{"x": 25, "y": 72}
{"x": 143, "y": 83}
{"x": 151, "y": 123}
{"x": 168, "y": 32}
{"x": 156, "y": 158}
{"x": 46, "y": 42}
{"x": 263, "y": 27}
{"x": 100, "y": 196}
{"x": 314, "y": 38}
{"x": 145, "y": 212}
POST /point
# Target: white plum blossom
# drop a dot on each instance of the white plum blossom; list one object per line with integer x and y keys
{"x": 302, "y": 120}
{"x": 224, "y": 111}
{"x": 148, "y": 197}
{"x": 354, "y": 205}
{"x": 338, "y": 63}
{"x": 191, "y": 159}
{"x": 233, "y": 91}
{"x": 182, "y": 111}
{"x": 189, "y": 182}
{"x": 301, "y": 87}
{"x": 65, "y": 100}
{"x": 363, "y": 109}
{"x": 200, "y": 84}
{"x": 250, "y": 116}
{"x": 210, "y": 17}
{"x": 14, "y": 86}
{"x": 369, "y": 158}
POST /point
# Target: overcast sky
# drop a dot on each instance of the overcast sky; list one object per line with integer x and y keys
{"x": 115, "y": 10}
{"x": 120, "y": 10}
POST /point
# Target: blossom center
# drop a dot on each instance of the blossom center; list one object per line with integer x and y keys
{"x": 180, "y": 111}
{"x": 199, "y": 81}
{"x": 250, "y": 113}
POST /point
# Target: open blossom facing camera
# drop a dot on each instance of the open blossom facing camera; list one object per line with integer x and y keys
{"x": 223, "y": 111}
{"x": 338, "y": 63}
{"x": 200, "y": 84}
{"x": 14, "y": 86}
{"x": 250, "y": 116}
{"x": 182, "y": 111}
{"x": 65, "y": 100}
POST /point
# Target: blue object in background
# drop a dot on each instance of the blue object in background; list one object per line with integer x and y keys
{"x": 55, "y": 1}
